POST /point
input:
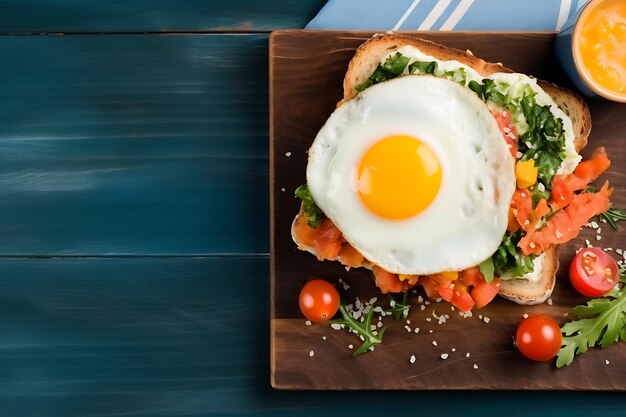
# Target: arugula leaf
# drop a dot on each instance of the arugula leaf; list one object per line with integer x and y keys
{"x": 423, "y": 67}
{"x": 509, "y": 258}
{"x": 487, "y": 269}
{"x": 613, "y": 216}
{"x": 395, "y": 64}
{"x": 362, "y": 329}
{"x": 314, "y": 215}
{"x": 604, "y": 324}
{"x": 399, "y": 309}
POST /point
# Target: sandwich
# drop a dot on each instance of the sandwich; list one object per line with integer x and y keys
{"x": 442, "y": 170}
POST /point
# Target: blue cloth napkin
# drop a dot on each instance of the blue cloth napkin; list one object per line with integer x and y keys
{"x": 445, "y": 14}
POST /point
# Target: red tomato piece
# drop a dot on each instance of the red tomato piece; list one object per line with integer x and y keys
{"x": 386, "y": 281}
{"x": 326, "y": 240}
{"x": 538, "y": 338}
{"x": 484, "y": 292}
{"x": 593, "y": 272}
{"x": 319, "y": 300}
{"x": 504, "y": 118}
{"x": 350, "y": 257}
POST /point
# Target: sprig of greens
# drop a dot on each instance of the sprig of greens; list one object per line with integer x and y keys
{"x": 509, "y": 257}
{"x": 361, "y": 328}
{"x": 314, "y": 215}
{"x": 399, "y": 309}
{"x": 602, "y": 321}
{"x": 613, "y": 216}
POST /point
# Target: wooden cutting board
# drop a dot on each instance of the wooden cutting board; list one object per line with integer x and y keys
{"x": 306, "y": 73}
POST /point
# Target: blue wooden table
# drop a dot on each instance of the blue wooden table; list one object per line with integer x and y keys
{"x": 134, "y": 219}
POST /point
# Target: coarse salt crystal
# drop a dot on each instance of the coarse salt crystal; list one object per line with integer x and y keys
{"x": 288, "y": 154}
{"x": 408, "y": 329}
{"x": 594, "y": 225}
{"x": 434, "y": 343}
{"x": 444, "y": 356}
{"x": 420, "y": 299}
{"x": 619, "y": 251}
{"x": 430, "y": 331}
{"x": 323, "y": 337}
{"x": 335, "y": 326}
{"x": 282, "y": 189}
{"x": 408, "y": 322}
{"x": 428, "y": 319}
{"x": 350, "y": 346}
{"x": 525, "y": 316}
{"x": 379, "y": 324}
{"x": 467, "y": 355}
{"x": 599, "y": 230}
{"x": 417, "y": 330}
{"x": 598, "y": 237}
{"x": 453, "y": 350}
{"x": 311, "y": 353}
{"x": 308, "y": 322}
{"x": 422, "y": 307}
{"x": 475, "y": 366}
{"x": 412, "y": 359}
{"x": 549, "y": 301}
{"x": 427, "y": 302}
{"x": 486, "y": 319}
{"x": 606, "y": 361}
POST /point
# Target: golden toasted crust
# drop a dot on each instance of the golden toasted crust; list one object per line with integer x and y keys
{"x": 370, "y": 54}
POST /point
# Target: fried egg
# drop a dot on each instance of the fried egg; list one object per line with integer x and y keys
{"x": 415, "y": 173}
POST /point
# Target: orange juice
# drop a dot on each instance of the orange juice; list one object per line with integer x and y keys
{"x": 601, "y": 44}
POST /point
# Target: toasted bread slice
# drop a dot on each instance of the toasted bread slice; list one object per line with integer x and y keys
{"x": 370, "y": 54}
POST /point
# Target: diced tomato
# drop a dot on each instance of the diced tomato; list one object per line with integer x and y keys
{"x": 484, "y": 292}
{"x": 350, "y": 257}
{"x": 565, "y": 224}
{"x": 326, "y": 240}
{"x": 386, "y": 281}
{"x": 430, "y": 287}
{"x": 463, "y": 301}
{"x": 471, "y": 276}
{"x": 522, "y": 207}
{"x": 509, "y": 132}
{"x": 563, "y": 187}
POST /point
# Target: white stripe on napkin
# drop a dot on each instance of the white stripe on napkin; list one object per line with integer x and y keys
{"x": 457, "y": 15}
{"x": 434, "y": 14}
{"x": 563, "y": 13}
{"x": 406, "y": 14}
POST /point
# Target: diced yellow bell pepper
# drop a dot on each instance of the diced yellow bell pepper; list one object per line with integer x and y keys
{"x": 451, "y": 275}
{"x": 405, "y": 277}
{"x": 526, "y": 173}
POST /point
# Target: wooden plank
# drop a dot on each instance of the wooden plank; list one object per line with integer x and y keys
{"x": 323, "y": 56}
{"x": 133, "y": 144}
{"x": 154, "y": 15}
{"x": 183, "y": 337}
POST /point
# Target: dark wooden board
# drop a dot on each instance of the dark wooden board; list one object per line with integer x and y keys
{"x": 306, "y": 71}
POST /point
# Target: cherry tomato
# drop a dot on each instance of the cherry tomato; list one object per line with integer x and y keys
{"x": 538, "y": 338}
{"x": 593, "y": 272}
{"x": 319, "y": 300}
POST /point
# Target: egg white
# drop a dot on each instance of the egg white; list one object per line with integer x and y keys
{"x": 465, "y": 223}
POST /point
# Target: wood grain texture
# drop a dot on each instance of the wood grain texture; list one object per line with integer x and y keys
{"x": 299, "y": 106}
{"x": 122, "y": 145}
{"x": 154, "y": 15}
{"x": 183, "y": 337}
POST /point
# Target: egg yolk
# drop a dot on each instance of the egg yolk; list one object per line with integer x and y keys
{"x": 602, "y": 45}
{"x": 398, "y": 177}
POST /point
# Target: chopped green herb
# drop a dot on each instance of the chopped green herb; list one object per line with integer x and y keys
{"x": 362, "y": 329}
{"x": 314, "y": 215}
{"x": 509, "y": 258}
{"x": 399, "y": 309}
{"x": 395, "y": 64}
{"x": 458, "y": 76}
{"x": 423, "y": 67}
{"x": 613, "y": 216}
{"x": 487, "y": 269}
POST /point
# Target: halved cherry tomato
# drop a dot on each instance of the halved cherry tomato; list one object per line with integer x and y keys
{"x": 319, "y": 300}
{"x": 538, "y": 338}
{"x": 593, "y": 272}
